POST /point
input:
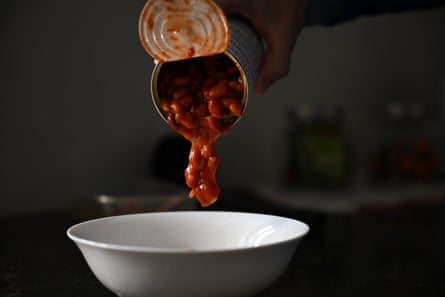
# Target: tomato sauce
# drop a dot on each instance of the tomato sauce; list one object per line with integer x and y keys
{"x": 202, "y": 98}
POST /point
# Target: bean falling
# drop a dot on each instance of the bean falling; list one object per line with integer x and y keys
{"x": 202, "y": 99}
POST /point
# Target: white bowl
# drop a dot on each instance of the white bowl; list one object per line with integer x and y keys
{"x": 188, "y": 253}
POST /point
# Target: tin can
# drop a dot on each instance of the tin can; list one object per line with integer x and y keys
{"x": 245, "y": 50}
{"x": 184, "y": 29}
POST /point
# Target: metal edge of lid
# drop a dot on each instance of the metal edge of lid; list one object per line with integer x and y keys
{"x": 216, "y": 10}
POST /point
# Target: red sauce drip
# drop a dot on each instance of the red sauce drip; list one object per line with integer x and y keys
{"x": 203, "y": 98}
{"x": 191, "y": 52}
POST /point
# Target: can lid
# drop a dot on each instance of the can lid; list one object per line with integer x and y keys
{"x": 172, "y": 30}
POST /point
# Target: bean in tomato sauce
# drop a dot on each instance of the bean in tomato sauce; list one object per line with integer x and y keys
{"x": 202, "y": 98}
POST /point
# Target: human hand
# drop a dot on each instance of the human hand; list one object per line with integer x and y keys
{"x": 279, "y": 22}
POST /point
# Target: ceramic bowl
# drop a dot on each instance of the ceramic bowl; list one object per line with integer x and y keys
{"x": 188, "y": 253}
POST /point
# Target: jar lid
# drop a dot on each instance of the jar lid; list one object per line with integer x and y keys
{"x": 172, "y": 30}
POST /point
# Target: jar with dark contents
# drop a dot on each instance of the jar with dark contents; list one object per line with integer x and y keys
{"x": 405, "y": 152}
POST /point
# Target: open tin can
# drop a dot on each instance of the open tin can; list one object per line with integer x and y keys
{"x": 194, "y": 29}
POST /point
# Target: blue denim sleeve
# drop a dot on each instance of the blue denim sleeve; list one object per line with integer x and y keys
{"x": 331, "y": 12}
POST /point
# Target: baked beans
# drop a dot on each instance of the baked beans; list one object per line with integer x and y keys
{"x": 202, "y": 98}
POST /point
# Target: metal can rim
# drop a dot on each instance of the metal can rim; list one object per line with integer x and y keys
{"x": 155, "y": 94}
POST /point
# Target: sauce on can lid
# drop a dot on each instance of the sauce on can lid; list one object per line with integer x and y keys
{"x": 172, "y": 30}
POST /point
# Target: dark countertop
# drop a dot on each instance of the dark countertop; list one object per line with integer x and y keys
{"x": 395, "y": 251}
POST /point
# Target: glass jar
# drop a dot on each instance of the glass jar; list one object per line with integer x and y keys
{"x": 317, "y": 149}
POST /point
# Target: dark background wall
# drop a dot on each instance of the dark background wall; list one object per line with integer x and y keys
{"x": 76, "y": 114}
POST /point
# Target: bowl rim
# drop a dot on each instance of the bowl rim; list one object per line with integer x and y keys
{"x": 165, "y": 250}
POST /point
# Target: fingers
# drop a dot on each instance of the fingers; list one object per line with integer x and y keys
{"x": 279, "y": 25}
{"x": 275, "y": 65}
{"x": 281, "y": 40}
{"x": 276, "y": 61}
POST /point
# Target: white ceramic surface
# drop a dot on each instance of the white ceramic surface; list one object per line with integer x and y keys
{"x": 188, "y": 253}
